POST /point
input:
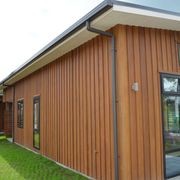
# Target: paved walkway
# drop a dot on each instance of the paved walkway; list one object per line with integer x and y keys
{"x": 175, "y": 178}
{"x": 173, "y": 167}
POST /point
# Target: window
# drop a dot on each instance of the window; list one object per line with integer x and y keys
{"x": 36, "y": 122}
{"x": 171, "y": 121}
{"x": 20, "y": 114}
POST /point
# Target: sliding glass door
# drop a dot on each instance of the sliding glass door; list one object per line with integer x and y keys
{"x": 171, "y": 121}
{"x": 36, "y": 122}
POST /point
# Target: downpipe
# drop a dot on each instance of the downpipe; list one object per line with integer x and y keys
{"x": 113, "y": 56}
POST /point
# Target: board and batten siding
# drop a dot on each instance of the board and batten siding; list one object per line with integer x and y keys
{"x": 1, "y": 114}
{"x": 75, "y": 109}
{"x": 76, "y": 104}
{"x": 142, "y": 54}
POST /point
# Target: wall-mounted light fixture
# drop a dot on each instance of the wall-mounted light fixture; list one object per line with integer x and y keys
{"x": 135, "y": 87}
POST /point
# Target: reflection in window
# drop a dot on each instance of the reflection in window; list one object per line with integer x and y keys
{"x": 171, "y": 84}
{"x": 36, "y": 124}
{"x": 171, "y": 122}
{"x": 20, "y": 114}
{"x": 171, "y": 118}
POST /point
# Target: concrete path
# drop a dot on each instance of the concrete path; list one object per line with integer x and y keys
{"x": 175, "y": 178}
{"x": 173, "y": 167}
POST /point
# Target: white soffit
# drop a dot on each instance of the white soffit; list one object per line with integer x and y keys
{"x": 145, "y": 18}
{"x": 116, "y": 15}
{"x": 69, "y": 44}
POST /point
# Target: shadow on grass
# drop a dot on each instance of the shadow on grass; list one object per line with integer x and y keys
{"x": 28, "y": 165}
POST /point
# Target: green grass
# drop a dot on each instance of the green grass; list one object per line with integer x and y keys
{"x": 17, "y": 163}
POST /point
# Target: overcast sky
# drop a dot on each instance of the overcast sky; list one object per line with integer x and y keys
{"x": 27, "y": 26}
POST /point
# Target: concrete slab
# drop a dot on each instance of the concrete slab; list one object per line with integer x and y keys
{"x": 175, "y": 178}
{"x": 172, "y": 166}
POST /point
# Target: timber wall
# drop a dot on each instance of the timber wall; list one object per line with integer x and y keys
{"x": 1, "y": 115}
{"x": 142, "y": 54}
{"x": 76, "y": 107}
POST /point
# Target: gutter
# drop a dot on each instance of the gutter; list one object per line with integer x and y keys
{"x": 97, "y": 11}
{"x": 113, "y": 56}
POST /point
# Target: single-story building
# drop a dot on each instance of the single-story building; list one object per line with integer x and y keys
{"x": 103, "y": 98}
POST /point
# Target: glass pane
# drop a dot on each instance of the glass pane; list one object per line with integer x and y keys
{"x": 171, "y": 84}
{"x": 20, "y": 114}
{"x": 36, "y": 125}
{"x": 36, "y": 116}
{"x": 171, "y": 122}
{"x": 171, "y": 110}
{"x": 36, "y": 139}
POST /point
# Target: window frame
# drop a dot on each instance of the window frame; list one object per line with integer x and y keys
{"x": 20, "y": 122}
{"x": 35, "y": 99}
{"x": 166, "y": 93}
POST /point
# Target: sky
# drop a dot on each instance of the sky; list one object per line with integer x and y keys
{"x": 27, "y": 26}
{"x": 170, "y": 5}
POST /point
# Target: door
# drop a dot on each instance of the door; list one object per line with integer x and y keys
{"x": 171, "y": 123}
{"x": 36, "y": 122}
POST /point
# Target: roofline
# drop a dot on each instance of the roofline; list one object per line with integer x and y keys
{"x": 97, "y": 11}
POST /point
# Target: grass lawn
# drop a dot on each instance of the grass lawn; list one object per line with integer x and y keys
{"x": 17, "y": 163}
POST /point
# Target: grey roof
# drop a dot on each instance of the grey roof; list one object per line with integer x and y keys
{"x": 97, "y": 11}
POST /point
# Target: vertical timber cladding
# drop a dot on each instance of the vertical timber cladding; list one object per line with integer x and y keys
{"x": 142, "y": 53}
{"x": 76, "y": 109}
{"x": 1, "y": 115}
{"x": 7, "y": 111}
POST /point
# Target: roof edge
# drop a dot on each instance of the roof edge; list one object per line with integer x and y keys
{"x": 94, "y": 13}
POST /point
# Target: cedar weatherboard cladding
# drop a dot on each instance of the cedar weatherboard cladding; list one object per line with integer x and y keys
{"x": 76, "y": 109}
{"x": 7, "y": 113}
{"x": 76, "y": 104}
{"x": 142, "y": 53}
{"x": 1, "y": 115}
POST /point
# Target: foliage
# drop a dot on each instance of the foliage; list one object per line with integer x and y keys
{"x": 17, "y": 163}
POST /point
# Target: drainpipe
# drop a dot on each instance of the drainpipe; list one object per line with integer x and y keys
{"x": 113, "y": 56}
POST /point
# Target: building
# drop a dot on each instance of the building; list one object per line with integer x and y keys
{"x": 1, "y": 115}
{"x": 103, "y": 98}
